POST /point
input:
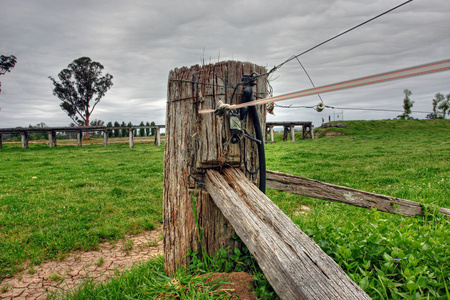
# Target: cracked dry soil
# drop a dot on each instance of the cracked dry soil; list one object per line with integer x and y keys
{"x": 60, "y": 276}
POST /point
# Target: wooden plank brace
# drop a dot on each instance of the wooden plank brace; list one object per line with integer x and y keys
{"x": 295, "y": 266}
{"x": 316, "y": 189}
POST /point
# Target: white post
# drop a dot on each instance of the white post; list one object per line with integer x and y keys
{"x": 272, "y": 140}
{"x": 292, "y": 133}
{"x": 50, "y": 139}
{"x": 24, "y": 136}
{"x": 130, "y": 135}
{"x": 105, "y": 138}
{"x": 158, "y": 137}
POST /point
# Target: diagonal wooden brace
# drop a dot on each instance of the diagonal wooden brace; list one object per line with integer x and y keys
{"x": 296, "y": 267}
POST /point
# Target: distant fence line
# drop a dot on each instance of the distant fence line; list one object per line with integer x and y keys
{"x": 307, "y": 129}
{"x": 25, "y": 132}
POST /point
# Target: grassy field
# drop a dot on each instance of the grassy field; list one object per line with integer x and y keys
{"x": 57, "y": 200}
{"x": 53, "y": 201}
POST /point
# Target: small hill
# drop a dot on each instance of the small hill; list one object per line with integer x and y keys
{"x": 380, "y": 126}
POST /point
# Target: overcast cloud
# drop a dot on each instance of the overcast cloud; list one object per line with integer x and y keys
{"x": 140, "y": 41}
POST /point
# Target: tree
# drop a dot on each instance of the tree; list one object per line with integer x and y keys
{"x": 147, "y": 130}
{"x": 6, "y": 64}
{"x": 81, "y": 88}
{"x": 444, "y": 105}
{"x": 436, "y": 101}
{"x": 131, "y": 125}
{"x": 141, "y": 130}
{"x": 110, "y": 131}
{"x": 37, "y": 135}
{"x": 97, "y": 123}
{"x": 407, "y": 105}
{"x": 116, "y": 131}
{"x": 441, "y": 106}
{"x": 124, "y": 130}
{"x": 153, "y": 129}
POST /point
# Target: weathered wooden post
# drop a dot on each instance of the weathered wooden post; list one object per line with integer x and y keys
{"x": 105, "y": 137}
{"x": 292, "y": 132}
{"x": 195, "y": 143}
{"x": 24, "y": 139}
{"x": 272, "y": 140}
{"x": 158, "y": 136}
{"x": 79, "y": 137}
{"x": 130, "y": 136}
{"x": 51, "y": 139}
{"x": 1, "y": 141}
{"x": 307, "y": 130}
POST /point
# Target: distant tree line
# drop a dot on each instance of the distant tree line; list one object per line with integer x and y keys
{"x": 141, "y": 132}
{"x": 124, "y": 132}
{"x": 441, "y": 106}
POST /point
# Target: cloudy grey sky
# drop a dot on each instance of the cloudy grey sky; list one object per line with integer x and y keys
{"x": 140, "y": 41}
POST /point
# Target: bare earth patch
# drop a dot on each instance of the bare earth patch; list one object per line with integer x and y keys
{"x": 240, "y": 286}
{"x": 333, "y": 133}
{"x": 59, "y": 276}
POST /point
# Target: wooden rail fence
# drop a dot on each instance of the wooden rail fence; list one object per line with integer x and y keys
{"x": 25, "y": 132}
{"x": 320, "y": 190}
{"x": 289, "y": 127}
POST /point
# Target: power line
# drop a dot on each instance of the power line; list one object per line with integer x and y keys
{"x": 429, "y": 68}
{"x": 376, "y": 109}
{"x": 334, "y": 37}
{"x": 309, "y": 77}
{"x": 350, "y": 108}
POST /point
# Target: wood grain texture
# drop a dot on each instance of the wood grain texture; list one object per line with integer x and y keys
{"x": 294, "y": 265}
{"x": 195, "y": 143}
{"x": 316, "y": 189}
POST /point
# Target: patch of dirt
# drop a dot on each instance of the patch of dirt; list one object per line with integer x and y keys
{"x": 302, "y": 210}
{"x": 241, "y": 286}
{"x": 59, "y": 276}
{"x": 332, "y": 133}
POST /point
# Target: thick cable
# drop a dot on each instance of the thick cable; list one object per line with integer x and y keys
{"x": 425, "y": 69}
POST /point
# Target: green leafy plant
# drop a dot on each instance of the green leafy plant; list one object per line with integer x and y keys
{"x": 391, "y": 257}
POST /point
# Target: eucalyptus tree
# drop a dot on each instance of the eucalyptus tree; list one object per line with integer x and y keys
{"x": 407, "y": 105}
{"x": 81, "y": 86}
{"x": 6, "y": 64}
{"x": 445, "y": 106}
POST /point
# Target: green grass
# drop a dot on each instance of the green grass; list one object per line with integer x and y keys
{"x": 82, "y": 196}
{"x": 405, "y": 159}
{"x": 148, "y": 281}
{"x": 53, "y": 201}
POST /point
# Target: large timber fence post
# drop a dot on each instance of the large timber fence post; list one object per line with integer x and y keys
{"x": 196, "y": 143}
